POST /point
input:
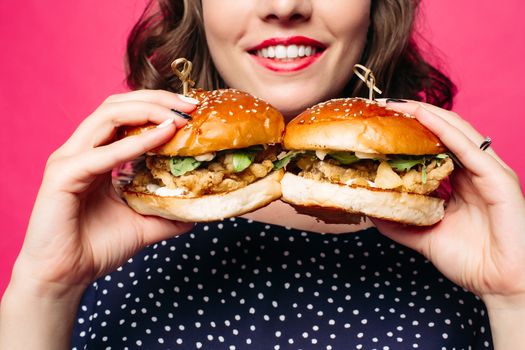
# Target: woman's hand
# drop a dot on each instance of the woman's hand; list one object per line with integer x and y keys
{"x": 80, "y": 229}
{"x": 480, "y": 243}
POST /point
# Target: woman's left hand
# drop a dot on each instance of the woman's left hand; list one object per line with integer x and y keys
{"x": 480, "y": 243}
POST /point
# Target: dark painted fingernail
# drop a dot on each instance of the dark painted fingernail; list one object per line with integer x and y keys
{"x": 182, "y": 114}
{"x": 395, "y": 100}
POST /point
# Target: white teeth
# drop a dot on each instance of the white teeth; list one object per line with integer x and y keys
{"x": 286, "y": 52}
{"x": 301, "y": 51}
{"x": 292, "y": 51}
{"x": 271, "y": 52}
{"x": 308, "y": 51}
{"x": 280, "y": 51}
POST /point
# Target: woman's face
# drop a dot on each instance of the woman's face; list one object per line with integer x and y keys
{"x": 291, "y": 53}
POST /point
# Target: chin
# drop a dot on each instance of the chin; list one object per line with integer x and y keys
{"x": 293, "y": 100}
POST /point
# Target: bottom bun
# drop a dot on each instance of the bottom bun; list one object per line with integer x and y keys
{"x": 407, "y": 208}
{"x": 211, "y": 207}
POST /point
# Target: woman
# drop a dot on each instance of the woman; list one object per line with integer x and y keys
{"x": 244, "y": 283}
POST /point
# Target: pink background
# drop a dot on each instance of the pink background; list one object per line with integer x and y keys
{"x": 61, "y": 59}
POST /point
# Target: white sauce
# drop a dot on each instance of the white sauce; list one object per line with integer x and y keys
{"x": 206, "y": 157}
{"x": 321, "y": 154}
{"x": 166, "y": 192}
{"x": 152, "y": 188}
{"x": 352, "y": 181}
{"x": 365, "y": 155}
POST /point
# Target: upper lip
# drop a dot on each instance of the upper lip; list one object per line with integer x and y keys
{"x": 291, "y": 40}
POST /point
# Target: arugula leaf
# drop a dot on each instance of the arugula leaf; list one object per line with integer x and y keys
{"x": 283, "y": 162}
{"x": 405, "y": 164}
{"x": 440, "y": 157}
{"x": 344, "y": 158}
{"x": 181, "y": 165}
{"x": 242, "y": 160}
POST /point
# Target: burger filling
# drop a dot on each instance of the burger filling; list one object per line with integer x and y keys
{"x": 211, "y": 173}
{"x": 414, "y": 174}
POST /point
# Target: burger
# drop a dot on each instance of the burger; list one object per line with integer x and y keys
{"x": 219, "y": 165}
{"x": 353, "y": 157}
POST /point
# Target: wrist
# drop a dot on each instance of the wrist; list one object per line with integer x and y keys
{"x": 506, "y": 314}
{"x": 31, "y": 280}
{"x": 502, "y": 303}
{"x": 47, "y": 315}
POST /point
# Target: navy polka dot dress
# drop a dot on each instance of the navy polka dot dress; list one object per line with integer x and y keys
{"x": 240, "y": 284}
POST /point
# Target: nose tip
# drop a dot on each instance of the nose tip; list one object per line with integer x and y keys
{"x": 293, "y": 18}
{"x": 285, "y": 11}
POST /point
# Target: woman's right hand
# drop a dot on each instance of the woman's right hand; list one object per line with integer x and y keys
{"x": 79, "y": 228}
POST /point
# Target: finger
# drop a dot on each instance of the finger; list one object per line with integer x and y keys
{"x": 453, "y": 118}
{"x": 410, "y": 107}
{"x": 100, "y": 128}
{"x": 156, "y": 229}
{"x": 478, "y": 162}
{"x": 104, "y": 158}
{"x": 413, "y": 237}
{"x": 160, "y": 97}
{"x": 83, "y": 168}
{"x": 490, "y": 172}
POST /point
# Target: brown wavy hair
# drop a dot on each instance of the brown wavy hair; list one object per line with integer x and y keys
{"x": 169, "y": 29}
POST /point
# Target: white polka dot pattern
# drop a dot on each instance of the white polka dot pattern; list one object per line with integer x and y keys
{"x": 240, "y": 284}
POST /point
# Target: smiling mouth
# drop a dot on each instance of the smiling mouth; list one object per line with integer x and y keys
{"x": 287, "y": 53}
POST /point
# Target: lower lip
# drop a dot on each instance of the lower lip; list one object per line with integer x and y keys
{"x": 294, "y": 65}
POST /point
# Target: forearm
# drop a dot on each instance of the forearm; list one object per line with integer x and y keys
{"x": 33, "y": 318}
{"x": 507, "y": 321}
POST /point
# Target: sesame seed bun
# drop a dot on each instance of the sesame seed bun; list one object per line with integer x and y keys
{"x": 402, "y": 207}
{"x": 359, "y": 125}
{"x": 224, "y": 119}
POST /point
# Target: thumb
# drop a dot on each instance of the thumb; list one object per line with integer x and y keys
{"x": 414, "y": 237}
{"x": 156, "y": 229}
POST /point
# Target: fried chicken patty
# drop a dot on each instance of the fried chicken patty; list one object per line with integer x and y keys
{"x": 216, "y": 176}
{"x": 375, "y": 174}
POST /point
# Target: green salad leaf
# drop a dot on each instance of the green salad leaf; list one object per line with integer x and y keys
{"x": 283, "y": 162}
{"x": 242, "y": 160}
{"x": 405, "y": 164}
{"x": 181, "y": 165}
{"x": 344, "y": 158}
{"x": 424, "y": 174}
